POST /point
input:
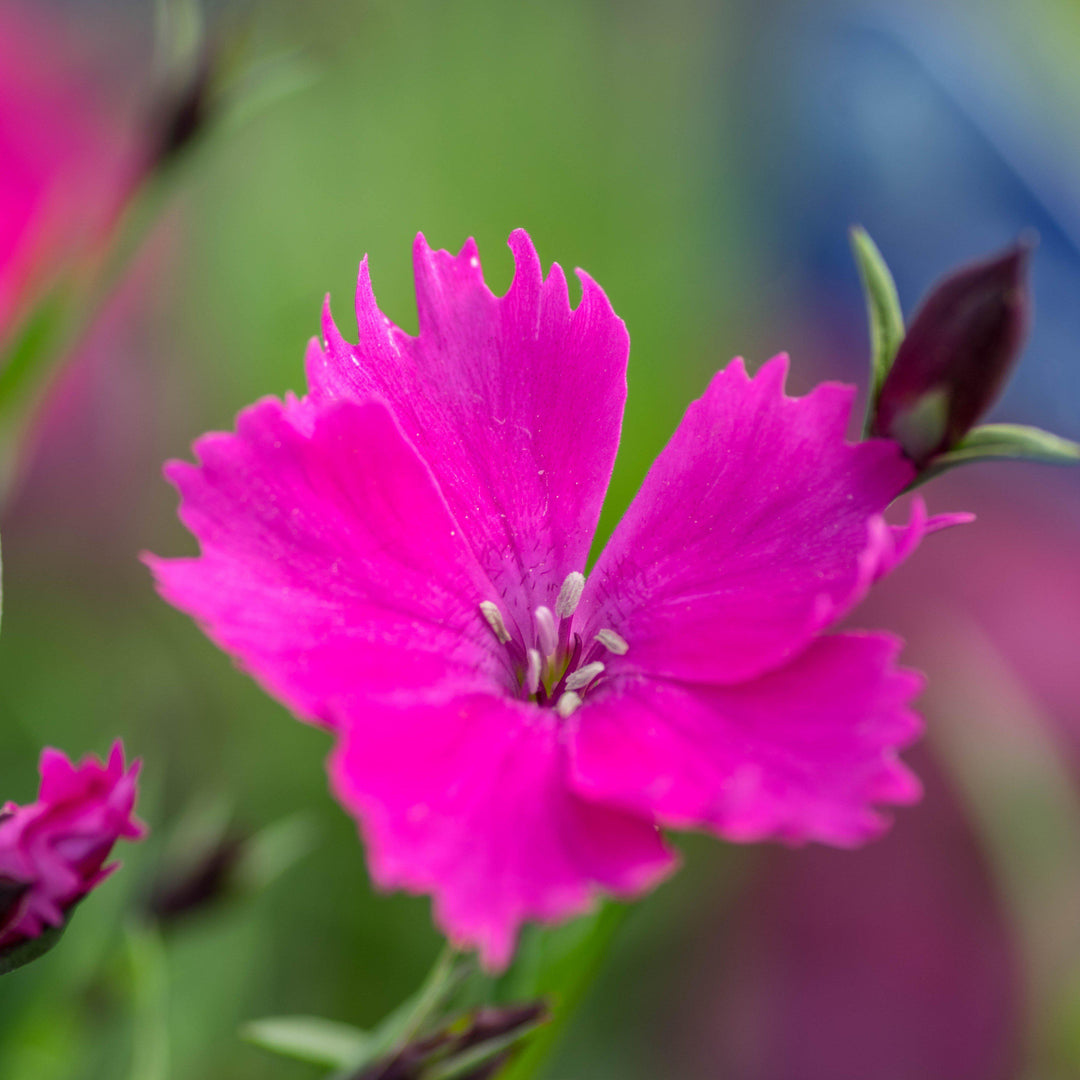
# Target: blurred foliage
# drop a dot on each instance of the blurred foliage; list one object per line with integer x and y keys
{"x": 459, "y": 120}
{"x": 616, "y": 133}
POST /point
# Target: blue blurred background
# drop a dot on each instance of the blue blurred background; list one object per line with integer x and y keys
{"x": 703, "y": 161}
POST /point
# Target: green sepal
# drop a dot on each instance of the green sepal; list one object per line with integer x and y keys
{"x": 1004, "y": 442}
{"x": 466, "y": 1064}
{"x": 883, "y": 313}
{"x": 26, "y": 952}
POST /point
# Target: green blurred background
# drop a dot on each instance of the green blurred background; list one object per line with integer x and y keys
{"x": 651, "y": 144}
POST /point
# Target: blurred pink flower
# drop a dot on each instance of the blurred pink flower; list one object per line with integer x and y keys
{"x": 52, "y": 852}
{"x": 400, "y": 554}
{"x": 1017, "y": 584}
{"x": 898, "y": 964}
{"x": 85, "y": 462}
{"x": 917, "y": 959}
{"x": 63, "y": 168}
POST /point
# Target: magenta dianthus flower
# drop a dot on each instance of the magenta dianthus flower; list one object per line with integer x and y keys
{"x": 400, "y": 556}
{"x": 53, "y": 852}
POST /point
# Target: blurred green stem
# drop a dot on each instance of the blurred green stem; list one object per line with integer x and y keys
{"x": 570, "y": 986}
{"x": 429, "y": 998}
{"x": 409, "y": 1019}
{"x": 149, "y": 997}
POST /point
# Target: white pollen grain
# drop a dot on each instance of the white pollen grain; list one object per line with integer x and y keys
{"x": 613, "y": 642}
{"x": 568, "y": 703}
{"x": 581, "y": 678}
{"x": 570, "y": 594}
{"x": 532, "y": 672}
{"x": 494, "y": 618}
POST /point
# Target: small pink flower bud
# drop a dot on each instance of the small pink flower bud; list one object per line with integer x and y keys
{"x": 53, "y": 852}
{"x": 956, "y": 355}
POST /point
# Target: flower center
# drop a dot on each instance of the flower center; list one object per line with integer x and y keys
{"x": 552, "y": 665}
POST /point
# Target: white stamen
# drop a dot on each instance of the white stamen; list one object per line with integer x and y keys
{"x": 613, "y": 642}
{"x": 568, "y": 703}
{"x": 570, "y": 594}
{"x": 546, "y": 637}
{"x": 491, "y": 612}
{"x": 581, "y": 678}
{"x": 532, "y": 672}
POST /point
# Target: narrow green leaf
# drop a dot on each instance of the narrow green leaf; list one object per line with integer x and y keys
{"x": 882, "y": 311}
{"x": 414, "y": 1015}
{"x": 998, "y": 442}
{"x": 27, "y": 360}
{"x": 311, "y": 1039}
{"x": 29, "y": 347}
{"x": 411, "y": 1017}
{"x": 1015, "y": 441}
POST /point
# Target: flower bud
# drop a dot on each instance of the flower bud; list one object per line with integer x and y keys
{"x": 495, "y": 1022}
{"x": 479, "y": 1046}
{"x": 956, "y": 355}
{"x": 181, "y": 112}
{"x": 53, "y": 852}
{"x": 199, "y": 885}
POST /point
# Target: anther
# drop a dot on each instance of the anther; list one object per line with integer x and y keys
{"x": 570, "y": 594}
{"x": 568, "y": 703}
{"x": 613, "y": 642}
{"x": 546, "y": 636}
{"x": 494, "y": 618}
{"x": 532, "y": 672}
{"x": 584, "y": 675}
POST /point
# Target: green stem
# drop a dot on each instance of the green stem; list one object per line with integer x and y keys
{"x": 149, "y": 993}
{"x": 430, "y": 996}
{"x": 571, "y": 988}
{"x": 410, "y": 1019}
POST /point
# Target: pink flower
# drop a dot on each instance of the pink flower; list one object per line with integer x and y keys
{"x": 52, "y": 852}
{"x": 63, "y": 161}
{"x": 399, "y": 556}
{"x": 900, "y": 963}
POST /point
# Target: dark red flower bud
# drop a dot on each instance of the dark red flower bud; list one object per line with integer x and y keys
{"x": 180, "y": 113}
{"x": 495, "y": 1022}
{"x": 491, "y": 1068}
{"x": 179, "y": 892}
{"x": 480, "y": 1046}
{"x": 956, "y": 355}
